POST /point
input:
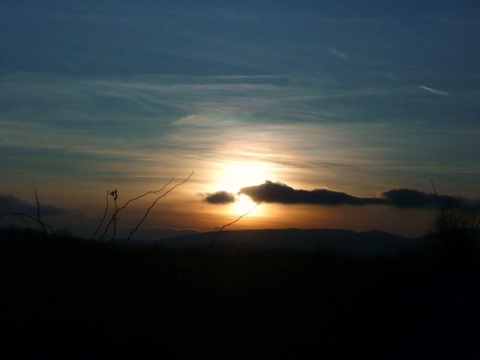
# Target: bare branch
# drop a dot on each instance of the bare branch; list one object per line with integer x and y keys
{"x": 147, "y": 193}
{"x": 42, "y": 224}
{"x": 22, "y": 216}
{"x": 103, "y": 219}
{"x": 114, "y": 194}
{"x": 153, "y": 204}
{"x": 236, "y": 220}
{"x": 439, "y": 200}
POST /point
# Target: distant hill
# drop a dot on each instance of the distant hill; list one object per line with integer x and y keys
{"x": 149, "y": 234}
{"x": 361, "y": 243}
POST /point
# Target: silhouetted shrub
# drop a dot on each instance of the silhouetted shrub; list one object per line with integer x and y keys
{"x": 455, "y": 229}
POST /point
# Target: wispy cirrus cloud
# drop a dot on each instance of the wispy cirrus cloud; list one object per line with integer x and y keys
{"x": 122, "y": 125}
{"x": 434, "y": 91}
{"x": 337, "y": 53}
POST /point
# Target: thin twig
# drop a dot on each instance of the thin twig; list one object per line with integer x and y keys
{"x": 153, "y": 204}
{"x": 103, "y": 219}
{"x": 115, "y": 194}
{"x": 113, "y": 218}
{"x": 238, "y": 219}
{"x": 439, "y": 200}
{"x": 16, "y": 214}
{"x": 38, "y": 214}
{"x": 22, "y": 216}
{"x": 147, "y": 193}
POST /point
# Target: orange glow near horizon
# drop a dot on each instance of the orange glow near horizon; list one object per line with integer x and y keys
{"x": 278, "y": 216}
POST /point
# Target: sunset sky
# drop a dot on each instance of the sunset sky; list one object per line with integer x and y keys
{"x": 263, "y": 100}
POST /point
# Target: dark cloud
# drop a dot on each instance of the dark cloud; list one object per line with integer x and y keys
{"x": 10, "y": 203}
{"x": 271, "y": 192}
{"x": 408, "y": 198}
{"x": 220, "y": 197}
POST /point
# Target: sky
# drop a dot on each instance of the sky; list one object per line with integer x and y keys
{"x": 316, "y": 109}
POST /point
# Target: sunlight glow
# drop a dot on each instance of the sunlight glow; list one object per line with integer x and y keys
{"x": 235, "y": 175}
{"x": 243, "y": 204}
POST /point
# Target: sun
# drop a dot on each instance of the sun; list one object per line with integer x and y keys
{"x": 233, "y": 176}
{"x": 243, "y": 205}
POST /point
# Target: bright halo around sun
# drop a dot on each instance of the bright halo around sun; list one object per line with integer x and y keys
{"x": 244, "y": 204}
{"x": 236, "y": 175}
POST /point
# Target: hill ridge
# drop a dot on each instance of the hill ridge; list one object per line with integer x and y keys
{"x": 372, "y": 242}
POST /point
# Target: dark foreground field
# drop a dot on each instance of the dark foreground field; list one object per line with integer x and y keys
{"x": 69, "y": 298}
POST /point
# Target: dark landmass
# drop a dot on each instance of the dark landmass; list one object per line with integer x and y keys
{"x": 355, "y": 243}
{"x": 72, "y": 298}
{"x": 153, "y": 234}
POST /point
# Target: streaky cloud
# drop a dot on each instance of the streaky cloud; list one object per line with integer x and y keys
{"x": 337, "y": 53}
{"x": 434, "y": 91}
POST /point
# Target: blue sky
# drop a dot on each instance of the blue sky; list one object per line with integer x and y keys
{"x": 357, "y": 97}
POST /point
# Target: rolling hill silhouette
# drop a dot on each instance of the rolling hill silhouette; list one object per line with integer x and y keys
{"x": 360, "y": 243}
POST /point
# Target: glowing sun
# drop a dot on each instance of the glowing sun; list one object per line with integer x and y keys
{"x": 244, "y": 204}
{"x": 236, "y": 175}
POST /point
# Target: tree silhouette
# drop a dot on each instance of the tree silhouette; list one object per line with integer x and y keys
{"x": 455, "y": 228}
